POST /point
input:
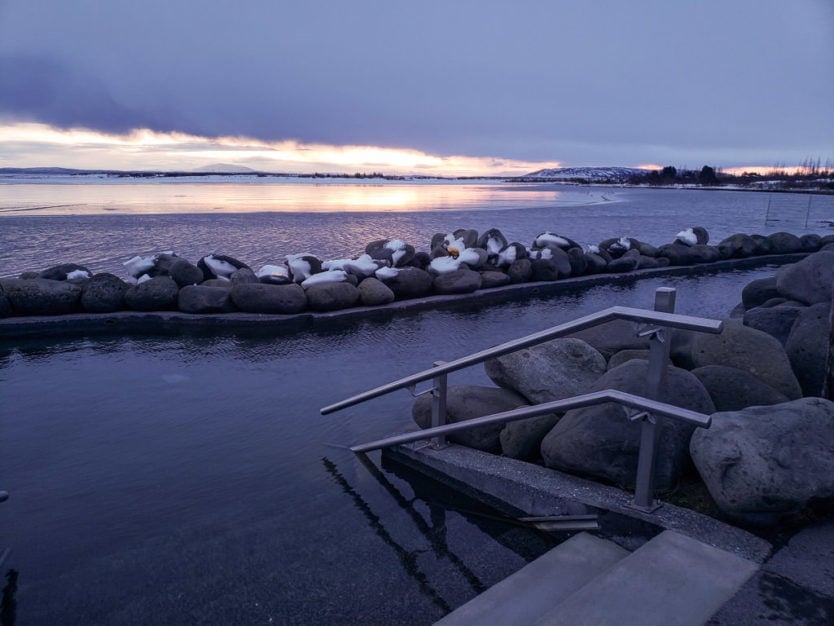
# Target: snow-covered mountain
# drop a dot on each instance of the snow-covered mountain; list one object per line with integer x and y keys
{"x": 594, "y": 174}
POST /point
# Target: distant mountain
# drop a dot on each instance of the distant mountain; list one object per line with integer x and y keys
{"x": 224, "y": 168}
{"x": 592, "y": 174}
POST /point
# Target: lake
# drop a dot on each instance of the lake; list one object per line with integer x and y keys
{"x": 191, "y": 479}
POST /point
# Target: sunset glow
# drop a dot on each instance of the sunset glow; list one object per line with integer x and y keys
{"x": 40, "y": 145}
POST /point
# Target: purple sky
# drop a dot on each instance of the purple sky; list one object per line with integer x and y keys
{"x": 744, "y": 82}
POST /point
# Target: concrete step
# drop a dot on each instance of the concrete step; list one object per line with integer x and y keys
{"x": 525, "y": 596}
{"x": 672, "y": 580}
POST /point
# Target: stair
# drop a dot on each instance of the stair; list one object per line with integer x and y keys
{"x": 671, "y": 580}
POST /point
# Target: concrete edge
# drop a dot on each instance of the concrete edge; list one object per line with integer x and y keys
{"x": 537, "y": 490}
{"x": 169, "y": 322}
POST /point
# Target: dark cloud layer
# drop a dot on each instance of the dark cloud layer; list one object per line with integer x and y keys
{"x": 572, "y": 81}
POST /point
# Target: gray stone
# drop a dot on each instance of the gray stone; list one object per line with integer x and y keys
{"x": 377, "y": 250}
{"x": 217, "y": 282}
{"x": 466, "y": 402}
{"x": 410, "y": 282}
{"x": 157, "y": 294}
{"x": 202, "y": 299}
{"x": 59, "y": 272}
{"x": 626, "y": 263}
{"x": 544, "y": 270}
{"x": 737, "y": 246}
{"x": 810, "y": 242}
{"x": 761, "y": 463}
{"x": 457, "y": 281}
{"x": 184, "y": 272}
{"x": 522, "y": 439}
{"x": 520, "y": 271}
{"x": 784, "y": 243}
{"x": 776, "y": 321}
{"x": 744, "y": 348}
{"x": 614, "y": 336}
{"x": 763, "y": 244}
{"x": 493, "y": 278}
{"x": 243, "y": 275}
{"x": 103, "y": 293}
{"x": 759, "y": 291}
{"x": 41, "y": 296}
{"x": 332, "y": 296}
{"x": 373, "y": 292}
{"x": 601, "y": 441}
{"x": 810, "y": 280}
{"x": 596, "y": 263}
{"x": 624, "y": 356}
{"x": 5, "y": 305}
{"x": 578, "y": 261}
{"x": 732, "y": 389}
{"x": 264, "y": 298}
{"x": 807, "y": 348}
{"x": 557, "y": 369}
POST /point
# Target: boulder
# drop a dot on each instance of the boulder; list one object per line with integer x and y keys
{"x": 732, "y": 389}
{"x": 596, "y": 263}
{"x": 578, "y": 261}
{"x": 810, "y": 280}
{"x": 544, "y": 270}
{"x": 466, "y": 402}
{"x": 761, "y": 463}
{"x": 457, "y": 281}
{"x": 103, "y": 293}
{"x": 763, "y": 245}
{"x": 184, "y": 272}
{"x": 626, "y": 263}
{"x": 807, "y": 348}
{"x": 264, "y": 298}
{"x": 409, "y": 282}
{"x": 157, "y": 294}
{"x": 737, "y": 246}
{"x": 614, "y": 336}
{"x": 601, "y": 441}
{"x": 41, "y": 296}
{"x": 557, "y": 369}
{"x": 776, "y": 321}
{"x": 744, "y": 348}
{"x": 243, "y": 275}
{"x": 493, "y": 278}
{"x": 64, "y": 270}
{"x": 759, "y": 291}
{"x": 678, "y": 253}
{"x": 784, "y": 243}
{"x": 201, "y": 299}
{"x": 520, "y": 271}
{"x": 522, "y": 439}
{"x": 373, "y": 292}
{"x": 217, "y": 282}
{"x": 810, "y": 242}
{"x": 332, "y": 296}
{"x": 624, "y": 356}
{"x": 5, "y": 305}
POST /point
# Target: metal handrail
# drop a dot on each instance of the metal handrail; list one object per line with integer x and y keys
{"x": 577, "y": 402}
{"x": 669, "y": 320}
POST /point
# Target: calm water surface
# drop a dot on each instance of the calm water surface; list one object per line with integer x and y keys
{"x": 191, "y": 479}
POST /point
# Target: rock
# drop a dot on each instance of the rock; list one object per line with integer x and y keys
{"x": 103, "y": 293}
{"x": 810, "y": 280}
{"x": 520, "y": 271}
{"x": 807, "y": 348}
{"x": 596, "y": 263}
{"x": 185, "y": 273}
{"x": 332, "y": 296}
{"x": 421, "y": 260}
{"x": 645, "y": 249}
{"x": 244, "y": 275}
{"x": 493, "y": 241}
{"x": 732, "y": 389}
{"x": 62, "y": 271}
{"x": 810, "y": 242}
{"x": 218, "y": 266}
{"x": 678, "y": 253}
{"x": 5, "y": 305}
{"x": 396, "y": 252}
{"x": 614, "y": 336}
{"x": 601, "y": 441}
{"x": 761, "y": 463}
{"x": 458, "y": 281}
{"x": 202, "y": 299}
{"x": 776, "y": 321}
{"x": 758, "y": 291}
{"x": 737, "y": 246}
{"x": 264, "y": 298}
{"x": 784, "y": 243}
{"x": 373, "y": 292}
{"x": 522, "y": 439}
{"x": 544, "y": 270}
{"x": 578, "y": 261}
{"x": 157, "y": 294}
{"x": 648, "y": 262}
{"x": 624, "y": 356}
{"x": 217, "y": 282}
{"x": 409, "y": 282}
{"x": 490, "y": 279}
{"x": 557, "y": 369}
{"x": 41, "y": 296}
{"x": 626, "y": 263}
{"x": 466, "y": 402}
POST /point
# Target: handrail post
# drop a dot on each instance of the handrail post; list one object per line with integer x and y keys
{"x": 438, "y": 405}
{"x": 651, "y": 425}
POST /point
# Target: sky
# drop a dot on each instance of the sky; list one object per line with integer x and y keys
{"x": 461, "y": 87}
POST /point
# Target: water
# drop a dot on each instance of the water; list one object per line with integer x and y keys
{"x": 191, "y": 479}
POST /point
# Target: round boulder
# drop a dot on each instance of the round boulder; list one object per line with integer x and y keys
{"x": 65, "y": 271}
{"x": 332, "y": 296}
{"x": 373, "y": 292}
{"x": 493, "y": 278}
{"x": 184, "y": 272}
{"x": 103, "y": 293}
{"x": 732, "y": 389}
{"x": 41, "y": 296}
{"x": 807, "y": 348}
{"x": 759, "y": 291}
{"x": 784, "y": 243}
{"x": 265, "y": 298}
{"x": 201, "y": 299}
{"x": 409, "y": 282}
{"x": 811, "y": 280}
{"x": 457, "y": 281}
{"x": 157, "y": 294}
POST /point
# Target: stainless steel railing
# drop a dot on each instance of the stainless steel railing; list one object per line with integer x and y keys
{"x": 648, "y": 410}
